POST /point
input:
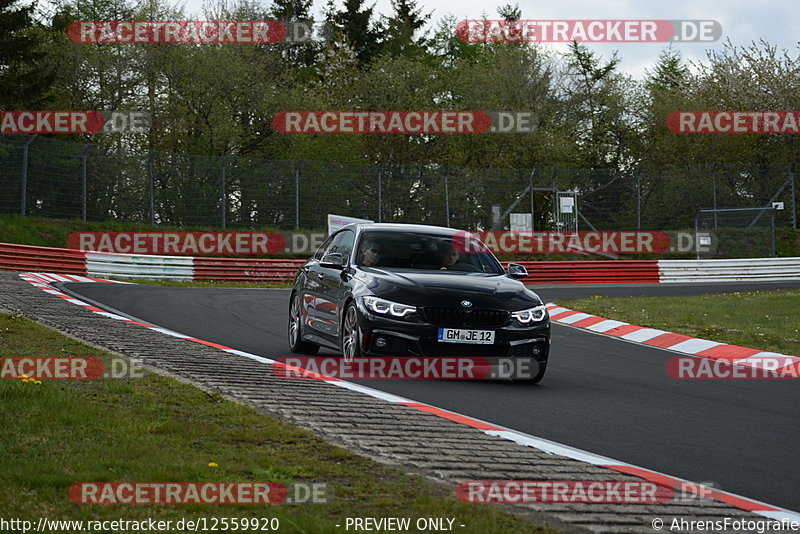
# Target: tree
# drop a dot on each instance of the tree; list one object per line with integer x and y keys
{"x": 354, "y": 25}
{"x": 669, "y": 73}
{"x": 406, "y": 21}
{"x": 24, "y": 80}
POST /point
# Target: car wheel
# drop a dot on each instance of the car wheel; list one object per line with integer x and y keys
{"x": 296, "y": 343}
{"x": 351, "y": 345}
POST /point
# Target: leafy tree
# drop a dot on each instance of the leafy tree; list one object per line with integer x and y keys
{"x": 24, "y": 78}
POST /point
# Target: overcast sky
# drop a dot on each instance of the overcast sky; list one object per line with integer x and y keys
{"x": 742, "y": 21}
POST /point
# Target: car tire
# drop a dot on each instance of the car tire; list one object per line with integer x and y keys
{"x": 296, "y": 343}
{"x": 350, "y": 341}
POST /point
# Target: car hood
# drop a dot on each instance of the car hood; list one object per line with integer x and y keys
{"x": 431, "y": 288}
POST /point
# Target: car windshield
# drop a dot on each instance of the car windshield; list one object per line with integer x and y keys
{"x": 412, "y": 250}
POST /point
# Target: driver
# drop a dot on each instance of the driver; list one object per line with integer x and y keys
{"x": 371, "y": 252}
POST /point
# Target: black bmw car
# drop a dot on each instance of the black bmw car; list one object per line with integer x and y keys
{"x": 395, "y": 290}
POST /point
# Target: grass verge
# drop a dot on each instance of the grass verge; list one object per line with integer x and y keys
{"x": 154, "y": 428}
{"x": 766, "y": 320}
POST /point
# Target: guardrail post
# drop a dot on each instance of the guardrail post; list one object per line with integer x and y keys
{"x": 24, "y": 185}
{"x": 84, "y": 194}
{"x": 222, "y": 202}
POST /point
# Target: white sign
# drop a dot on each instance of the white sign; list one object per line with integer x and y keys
{"x": 521, "y": 222}
{"x": 338, "y": 221}
{"x": 777, "y": 205}
{"x": 567, "y": 203}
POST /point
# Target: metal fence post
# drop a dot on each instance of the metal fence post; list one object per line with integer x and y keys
{"x": 639, "y": 199}
{"x": 555, "y": 198}
{"x": 84, "y": 188}
{"x": 794, "y": 195}
{"x": 151, "y": 189}
{"x": 24, "y": 194}
{"x": 533, "y": 201}
{"x": 714, "y": 185}
{"x": 297, "y": 194}
{"x": 222, "y": 202}
{"x": 446, "y": 195}
{"x": 772, "y": 227}
{"x": 380, "y": 185}
{"x": 696, "y": 232}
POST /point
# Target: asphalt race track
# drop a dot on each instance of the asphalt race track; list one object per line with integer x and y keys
{"x": 600, "y": 394}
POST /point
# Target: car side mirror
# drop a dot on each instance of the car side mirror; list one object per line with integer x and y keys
{"x": 515, "y": 270}
{"x": 333, "y": 260}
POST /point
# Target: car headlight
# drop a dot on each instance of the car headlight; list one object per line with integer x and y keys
{"x": 387, "y": 307}
{"x": 539, "y": 313}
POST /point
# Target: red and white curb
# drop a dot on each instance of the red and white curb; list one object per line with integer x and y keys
{"x": 43, "y": 280}
{"x": 693, "y": 346}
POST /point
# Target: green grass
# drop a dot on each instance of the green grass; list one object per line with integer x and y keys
{"x": 157, "y": 429}
{"x": 766, "y": 320}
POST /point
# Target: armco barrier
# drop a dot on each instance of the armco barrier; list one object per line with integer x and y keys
{"x": 38, "y": 259}
{"x": 245, "y": 270}
{"x": 59, "y": 260}
{"x": 591, "y": 272}
{"x": 139, "y": 266}
{"x": 752, "y": 269}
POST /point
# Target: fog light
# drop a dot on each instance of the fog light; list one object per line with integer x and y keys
{"x": 536, "y": 349}
{"x": 380, "y": 342}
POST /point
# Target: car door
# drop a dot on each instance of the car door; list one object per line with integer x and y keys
{"x": 311, "y": 292}
{"x": 334, "y": 289}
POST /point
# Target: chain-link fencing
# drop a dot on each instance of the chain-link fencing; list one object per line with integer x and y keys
{"x": 45, "y": 177}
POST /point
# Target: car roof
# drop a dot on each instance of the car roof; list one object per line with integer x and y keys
{"x": 404, "y": 228}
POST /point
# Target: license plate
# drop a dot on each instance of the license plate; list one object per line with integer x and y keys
{"x": 459, "y": 335}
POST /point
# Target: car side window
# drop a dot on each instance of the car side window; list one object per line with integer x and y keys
{"x": 342, "y": 243}
{"x": 323, "y": 247}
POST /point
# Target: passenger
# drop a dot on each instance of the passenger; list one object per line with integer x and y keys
{"x": 449, "y": 256}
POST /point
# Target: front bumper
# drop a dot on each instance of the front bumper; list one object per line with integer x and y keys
{"x": 383, "y": 336}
